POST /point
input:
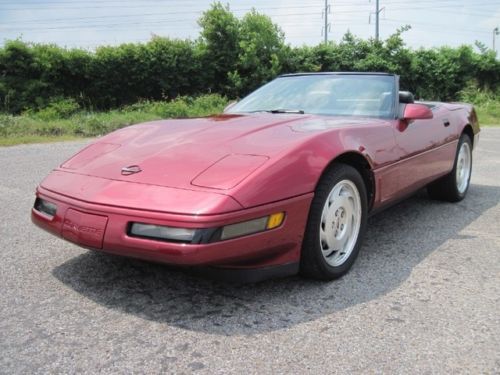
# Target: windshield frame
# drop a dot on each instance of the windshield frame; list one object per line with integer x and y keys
{"x": 393, "y": 111}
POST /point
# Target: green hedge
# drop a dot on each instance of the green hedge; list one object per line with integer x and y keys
{"x": 232, "y": 57}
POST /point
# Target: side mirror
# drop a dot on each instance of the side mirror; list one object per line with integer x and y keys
{"x": 414, "y": 111}
{"x": 227, "y": 107}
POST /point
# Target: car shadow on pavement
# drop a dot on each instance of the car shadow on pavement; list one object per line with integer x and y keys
{"x": 397, "y": 240}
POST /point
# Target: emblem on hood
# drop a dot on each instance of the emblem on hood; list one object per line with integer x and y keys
{"x": 131, "y": 169}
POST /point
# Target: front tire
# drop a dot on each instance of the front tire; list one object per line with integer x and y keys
{"x": 453, "y": 187}
{"x": 336, "y": 224}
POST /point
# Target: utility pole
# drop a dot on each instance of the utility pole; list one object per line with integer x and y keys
{"x": 327, "y": 25}
{"x": 495, "y": 33}
{"x": 377, "y": 18}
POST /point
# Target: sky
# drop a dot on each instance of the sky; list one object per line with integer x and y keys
{"x": 91, "y": 23}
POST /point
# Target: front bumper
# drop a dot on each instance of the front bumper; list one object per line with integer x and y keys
{"x": 103, "y": 227}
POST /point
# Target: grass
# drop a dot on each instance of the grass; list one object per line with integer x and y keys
{"x": 26, "y": 139}
{"x": 486, "y": 103}
{"x": 64, "y": 121}
{"x": 489, "y": 114}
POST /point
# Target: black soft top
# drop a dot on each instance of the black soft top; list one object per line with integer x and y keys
{"x": 337, "y": 73}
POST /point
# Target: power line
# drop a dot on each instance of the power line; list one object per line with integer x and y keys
{"x": 248, "y": 9}
{"x": 126, "y": 20}
{"x": 434, "y": 25}
{"x": 197, "y": 12}
{"x": 378, "y": 10}
{"x": 439, "y": 6}
{"x": 460, "y": 31}
{"x": 120, "y": 4}
{"x": 150, "y": 14}
{"x": 127, "y": 24}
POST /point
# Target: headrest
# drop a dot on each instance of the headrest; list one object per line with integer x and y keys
{"x": 406, "y": 97}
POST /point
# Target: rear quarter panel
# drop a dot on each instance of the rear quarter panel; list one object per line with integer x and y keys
{"x": 464, "y": 115}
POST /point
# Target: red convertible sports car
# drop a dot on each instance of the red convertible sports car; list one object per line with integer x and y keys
{"x": 282, "y": 182}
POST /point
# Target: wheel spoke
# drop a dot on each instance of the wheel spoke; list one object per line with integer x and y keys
{"x": 346, "y": 229}
{"x": 352, "y": 224}
{"x": 334, "y": 195}
{"x": 324, "y": 218}
{"x": 333, "y": 249}
{"x": 349, "y": 207}
{"x": 324, "y": 238}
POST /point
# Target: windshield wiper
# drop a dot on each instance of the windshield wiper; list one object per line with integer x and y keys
{"x": 299, "y": 111}
{"x": 279, "y": 110}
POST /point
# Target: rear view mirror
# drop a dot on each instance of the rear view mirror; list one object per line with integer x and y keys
{"x": 414, "y": 111}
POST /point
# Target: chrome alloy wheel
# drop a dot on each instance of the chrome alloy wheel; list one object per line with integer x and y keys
{"x": 340, "y": 223}
{"x": 464, "y": 165}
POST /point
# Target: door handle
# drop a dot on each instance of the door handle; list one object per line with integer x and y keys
{"x": 446, "y": 122}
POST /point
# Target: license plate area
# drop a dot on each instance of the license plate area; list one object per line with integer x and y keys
{"x": 84, "y": 229}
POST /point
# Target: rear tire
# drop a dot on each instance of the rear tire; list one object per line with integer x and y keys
{"x": 336, "y": 224}
{"x": 454, "y": 186}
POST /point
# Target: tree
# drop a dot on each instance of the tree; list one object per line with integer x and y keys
{"x": 261, "y": 50}
{"x": 219, "y": 45}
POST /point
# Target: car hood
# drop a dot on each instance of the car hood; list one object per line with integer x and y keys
{"x": 202, "y": 153}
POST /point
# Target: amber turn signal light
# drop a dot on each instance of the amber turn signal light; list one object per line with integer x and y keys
{"x": 275, "y": 220}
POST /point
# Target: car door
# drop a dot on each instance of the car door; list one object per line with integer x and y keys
{"x": 425, "y": 149}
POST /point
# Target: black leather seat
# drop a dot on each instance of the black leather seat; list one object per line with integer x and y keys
{"x": 406, "y": 97}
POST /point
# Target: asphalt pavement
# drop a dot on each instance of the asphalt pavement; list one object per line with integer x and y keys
{"x": 423, "y": 296}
